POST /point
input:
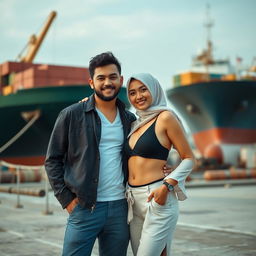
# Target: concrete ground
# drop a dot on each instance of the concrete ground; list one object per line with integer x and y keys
{"x": 217, "y": 219}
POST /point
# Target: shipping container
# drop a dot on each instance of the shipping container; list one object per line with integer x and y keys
{"x": 215, "y": 77}
{"x": 11, "y": 77}
{"x": 192, "y": 77}
{"x": 176, "y": 80}
{"x": 7, "y": 90}
{"x": 228, "y": 77}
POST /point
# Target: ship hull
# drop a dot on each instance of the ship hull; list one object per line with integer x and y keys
{"x": 220, "y": 115}
{"x": 30, "y": 148}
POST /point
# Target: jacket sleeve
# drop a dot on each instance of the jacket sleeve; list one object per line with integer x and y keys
{"x": 55, "y": 159}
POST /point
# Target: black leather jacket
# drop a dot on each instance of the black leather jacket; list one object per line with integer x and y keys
{"x": 72, "y": 159}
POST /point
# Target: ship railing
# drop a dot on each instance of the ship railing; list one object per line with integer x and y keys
{"x": 19, "y": 174}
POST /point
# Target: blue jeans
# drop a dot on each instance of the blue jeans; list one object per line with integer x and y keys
{"x": 107, "y": 222}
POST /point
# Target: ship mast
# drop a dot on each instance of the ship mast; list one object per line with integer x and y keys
{"x": 208, "y": 58}
{"x": 208, "y": 25}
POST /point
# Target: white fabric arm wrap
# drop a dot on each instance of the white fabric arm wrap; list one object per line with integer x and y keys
{"x": 182, "y": 170}
{"x": 180, "y": 174}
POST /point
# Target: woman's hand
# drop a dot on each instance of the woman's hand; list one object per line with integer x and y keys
{"x": 167, "y": 169}
{"x": 83, "y": 100}
{"x": 160, "y": 195}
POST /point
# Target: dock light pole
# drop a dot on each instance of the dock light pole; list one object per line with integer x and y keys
{"x": 18, "y": 205}
{"x": 47, "y": 209}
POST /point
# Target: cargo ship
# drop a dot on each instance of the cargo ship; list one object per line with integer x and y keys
{"x": 31, "y": 96}
{"x": 218, "y": 104}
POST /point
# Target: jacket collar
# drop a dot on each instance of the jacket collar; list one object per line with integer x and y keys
{"x": 90, "y": 104}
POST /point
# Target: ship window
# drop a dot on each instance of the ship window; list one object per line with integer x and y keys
{"x": 191, "y": 108}
{"x": 242, "y": 105}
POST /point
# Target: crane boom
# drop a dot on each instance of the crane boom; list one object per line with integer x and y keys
{"x": 36, "y": 41}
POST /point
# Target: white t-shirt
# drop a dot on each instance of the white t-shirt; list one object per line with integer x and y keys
{"x": 110, "y": 186}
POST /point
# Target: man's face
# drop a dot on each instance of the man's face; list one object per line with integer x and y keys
{"x": 106, "y": 82}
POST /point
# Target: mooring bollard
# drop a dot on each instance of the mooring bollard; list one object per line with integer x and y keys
{"x": 18, "y": 205}
{"x": 47, "y": 210}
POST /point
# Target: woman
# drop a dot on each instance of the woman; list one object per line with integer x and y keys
{"x": 152, "y": 197}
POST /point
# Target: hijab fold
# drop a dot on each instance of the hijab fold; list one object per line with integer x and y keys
{"x": 159, "y": 103}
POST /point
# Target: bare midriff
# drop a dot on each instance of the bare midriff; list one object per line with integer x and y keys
{"x": 144, "y": 170}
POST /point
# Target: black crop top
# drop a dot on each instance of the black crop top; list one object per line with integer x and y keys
{"x": 148, "y": 146}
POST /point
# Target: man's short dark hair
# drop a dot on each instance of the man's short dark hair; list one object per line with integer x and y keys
{"x": 103, "y": 59}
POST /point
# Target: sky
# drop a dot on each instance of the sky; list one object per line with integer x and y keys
{"x": 155, "y": 36}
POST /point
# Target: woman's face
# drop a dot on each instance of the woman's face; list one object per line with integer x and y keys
{"x": 139, "y": 95}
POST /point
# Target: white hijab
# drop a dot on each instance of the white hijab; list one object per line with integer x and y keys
{"x": 159, "y": 102}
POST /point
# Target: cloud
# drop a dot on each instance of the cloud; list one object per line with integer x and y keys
{"x": 72, "y": 9}
{"x": 123, "y": 27}
{"x": 166, "y": 32}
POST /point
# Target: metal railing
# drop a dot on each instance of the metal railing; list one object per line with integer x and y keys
{"x": 20, "y": 169}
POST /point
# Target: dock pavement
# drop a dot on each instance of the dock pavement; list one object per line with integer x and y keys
{"x": 218, "y": 218}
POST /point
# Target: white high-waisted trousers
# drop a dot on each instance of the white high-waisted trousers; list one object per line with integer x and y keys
{"x": 152, "y": 225}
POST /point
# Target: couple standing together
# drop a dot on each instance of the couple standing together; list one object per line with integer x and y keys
{"x": 106, "y": 167}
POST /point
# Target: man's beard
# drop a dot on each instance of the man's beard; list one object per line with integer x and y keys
{"x": 107, "y": 98}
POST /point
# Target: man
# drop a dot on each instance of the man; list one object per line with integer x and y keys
{"x": 86, "y": 165}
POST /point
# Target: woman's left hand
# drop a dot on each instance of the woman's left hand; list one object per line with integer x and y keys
{"x": 167, "y": 169}
{"x": 84, "y": 99}
{"x": 160, "y": 195}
